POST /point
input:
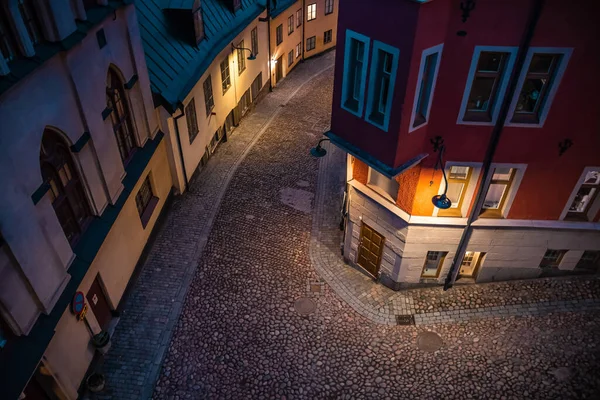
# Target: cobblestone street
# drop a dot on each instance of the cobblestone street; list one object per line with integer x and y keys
{"x": 212, "y": 313}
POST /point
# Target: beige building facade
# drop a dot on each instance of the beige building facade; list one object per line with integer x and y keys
{"x": 84, "y": 167}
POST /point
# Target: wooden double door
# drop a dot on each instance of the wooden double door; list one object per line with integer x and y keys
{"x": 370, "y": 250}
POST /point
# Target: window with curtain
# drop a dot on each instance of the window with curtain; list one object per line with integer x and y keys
{"x": 120, "y": 116}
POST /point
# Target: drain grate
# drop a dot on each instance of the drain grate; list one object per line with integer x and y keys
{"x": 407, "y": 319}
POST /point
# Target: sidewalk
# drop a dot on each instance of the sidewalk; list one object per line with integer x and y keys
{"x": 428, "y": 305}
{"x": 155, "y": 302}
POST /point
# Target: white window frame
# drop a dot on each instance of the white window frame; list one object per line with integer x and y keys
{"x": 350, "y": 35}
{"x": 312, "y": 12}
{"x": 512, "y": 191}
{"x": 510, "y": 63}
{"x": 560, "y": 70}
{"x": 427, "y": 52}
{"x": 594, "y": 207}
{"x": 395, "y": 53}
{"x": 469, "y": 190}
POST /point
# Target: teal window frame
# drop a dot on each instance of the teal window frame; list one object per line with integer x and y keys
{"x": 420, "y": 86}
{"x": 374, "y": 100}
{"x": 366, "y": 41}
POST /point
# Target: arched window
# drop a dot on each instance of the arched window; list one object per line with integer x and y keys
{"x": 120, "y": 115}
{"x": 66, "y": 190}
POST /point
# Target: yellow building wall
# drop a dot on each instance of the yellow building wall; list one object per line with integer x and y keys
{"x": 70, "y": 353}
{"x": 319, "y": 25}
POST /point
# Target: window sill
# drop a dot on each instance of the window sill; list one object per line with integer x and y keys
{"x": 147, "y": 214}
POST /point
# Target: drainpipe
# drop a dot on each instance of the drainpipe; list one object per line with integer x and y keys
{"x": 269, "y": 40}
{"x": 534, "y": 16}
{"x": 185, "y": 177}
{"x": 303, "y": 25}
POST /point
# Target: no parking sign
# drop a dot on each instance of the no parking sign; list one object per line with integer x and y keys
{"x": 78, "y": 305}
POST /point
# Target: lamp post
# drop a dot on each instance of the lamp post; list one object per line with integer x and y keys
{"x": 319, "y": 151}
{"x": 441, "y": 201}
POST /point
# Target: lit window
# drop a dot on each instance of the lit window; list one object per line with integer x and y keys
{"x": 430, "y": 62}
{"x": 299, "y": 17}
{"x": 225, "y": 77}
{"x": 537, "y": 85}
{"x": 497, "y": 192}
{"x": 311, "y": 12}
{"x": 384, "y": 64}
{"x": 254, "y": 41}
{"x": 290, "y": 24}
{"x": 386, "y": 187}
{"x": 298, "y": 49}
{"x": 290, "y": 58}
{"x": 552, "y": 258}
{"x": 208, "y": 95}
{"x": 192, "y": 122}
{"x": 241, "y": 58}
{"x": 585, "y": 196}
{"x": 589, "y": 261}
{"x": 355, "y": 71}
{"x": 458, "y": 181}
{"x": 145, "y": 201}
{"x": 327, "y": 36}
{"x": 310, "y": 43}
{"x": 433, "y": 264}
{"x": 279, "y": 34}
{"x": 328, "y": 6}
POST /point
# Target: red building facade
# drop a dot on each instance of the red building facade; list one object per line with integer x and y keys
{"x": 505, "y": 91}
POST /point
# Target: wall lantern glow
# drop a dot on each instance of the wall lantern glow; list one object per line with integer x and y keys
{"x": 441, "y": 201}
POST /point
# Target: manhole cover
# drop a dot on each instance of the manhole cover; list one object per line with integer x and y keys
{"x": 305, "y": 306}
{"x": 429, "y": 341}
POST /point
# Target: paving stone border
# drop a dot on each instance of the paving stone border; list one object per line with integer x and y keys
{"x": 427, "y": 305}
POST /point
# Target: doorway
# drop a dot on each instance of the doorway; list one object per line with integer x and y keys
{"x": 279, "y": 69}
{"x": 99, "y": 304}
{"x": 370, "y": 249}
{"x": 470, "y": 264}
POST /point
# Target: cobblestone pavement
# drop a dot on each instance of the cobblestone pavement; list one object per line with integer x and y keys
{"x": 239, "y": 336}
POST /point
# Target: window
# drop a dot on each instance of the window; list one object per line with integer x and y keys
{"x": 586, "y": 194}
{"x": 537, "y": 85}
{"x": 241, "y": 58}
{"x": 290, "y": 58}
{"x": 310, "y": 43}
{"x": 290, "y": 24}
{"x": 298, "y": 49}
{"x": 225, "y": 78}
{"x": 384, "y": 64}
{"x": 279, "y": 34}
{"x": 198, "y": 22}
{"x": 256, "y": 86}
{"x": 192, "y": 122}
{"x": 355, "y": 72}
{"x": 433, "y": 262}
{"x": 497, "y": 192}
{"x": 31, "y": 21}
{"x": 327, "y": 36}
{"x": 430, "y": 63}
{"x": 299, "y": 17}
{"x": 383, "y": 185}
{"x": 208, "y": 95}
{"x": 311, "y": 12}
{"x": 458, "y": 181}
{"x": 145, "y": 201}
{"x": 236, "y": 4}
{"x": 590, "y": 261}
{"x": 120, "y": 116}
{"x": 7, "y": 45}
{"x": 254, "y": 41}
{"x": 66, "y": 190}
{"x": 552, "y": 258}
{"x": 328, "y": 6}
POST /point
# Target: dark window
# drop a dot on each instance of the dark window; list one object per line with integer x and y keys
{"x": 236, "y": 4}
{"x": 279, "y": 34}
{"x": 590, "y": 261}
{"x": 31, "y": 20}
{"x": 256, "y": 86}
{"x": 356, "y": 54}
{"x": 198, "y": 22}
{"x": 484, "y": 89}
{"x": 536, "y": 86}
{"x": 208, "y": 95}
{"x": 382, "y": 93}
{"x": 87, "y": 4}
{"x": 290, "y": 58}
{"x": 225, "y": 77}
{"x": 328, "y": 6}
{"x": 552, "y": 258}
{"x": 192, "y": 121}
{"x": 425, "y": 89}
{"x": 298, "y": 49}
{"x": 241, "y": 58}
{"x": 327, "y": 36}
{"x": 66, "y": 191}
{"x": 290, "y": 24}
{"x": 7, "y": 44}
{"x": 299, "y": 17}
{"x": 145, "y": 201}
{"x": 585, "y": 196}
{"x": 310, "y": 43}
{"x": 120, "y": 116}
{"x": 254, "y": 41}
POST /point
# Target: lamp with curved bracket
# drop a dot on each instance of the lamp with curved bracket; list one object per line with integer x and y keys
{"x": 251, "y": 57}
{"x": 441, "y": 201}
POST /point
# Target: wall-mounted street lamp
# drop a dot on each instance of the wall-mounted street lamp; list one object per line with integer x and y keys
{"x": 251, "y": 57}
{"x": 319, "y": 151}
{"x": 441, "y": 201}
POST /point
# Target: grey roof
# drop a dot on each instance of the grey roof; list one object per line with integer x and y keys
{"x": 175, "y": 64}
